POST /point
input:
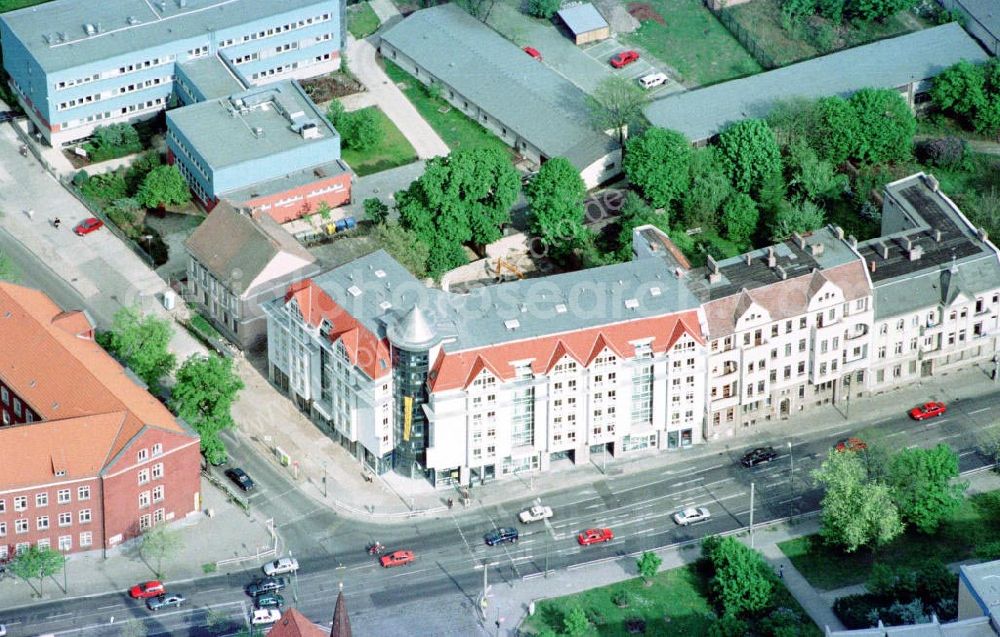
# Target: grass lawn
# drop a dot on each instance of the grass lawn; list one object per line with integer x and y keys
{"x": 677, "y": 594}
{"x": 10, "y": 5}
{"x": 812, "y": 36}
{"x": 828, "y": 568}
{"x": 693, "y": 42}
{"x": 394, "y": 150}
{"x": 457, "y": 130}
{"x": 361, "y": 20}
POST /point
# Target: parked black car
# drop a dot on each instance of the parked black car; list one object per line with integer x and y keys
{"x": 240, "y": 478}
{"x": 501, "y": 536}
{"x": 269, "y": 600}
{"x": 758, "y": 455}
{"x": 266, "y": 585}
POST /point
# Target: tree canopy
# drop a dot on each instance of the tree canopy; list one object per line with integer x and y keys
{"x": 36, "y": 562}
{"x": 658, "y": 164}
{"x": 923, "y": 487}
{"x": 203, "y": 395}
{"x": 464, "y": 197}
{"x": 555, "y": 199}
{"x": 739, "y": 217}
{"x": 159, "y": 543}
{"x": 750, "y": 153}
{"x": 404, "y": 246}
{"x": 140, "y": 342}
{"x": 742, "y": 582}
{"x": 163, "y": 186}
{"x": 709, "y": 188}
{"x": 855, "y": 512}
{"x": 971, "y": 93}
{"x": 636, "y": 212}
{"x": 616, "y": 103}
{"x": 886, "y": 126}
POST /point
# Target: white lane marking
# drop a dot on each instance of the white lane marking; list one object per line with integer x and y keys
{"x": 979, "y": 411}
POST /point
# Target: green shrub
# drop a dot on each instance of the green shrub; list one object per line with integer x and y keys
{"x": 542, "y": 8}
{"x": 105, "y": 187}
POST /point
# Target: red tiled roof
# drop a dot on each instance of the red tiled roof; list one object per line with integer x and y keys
{"x": 458, "y": 369}
{"x": 90, "y": 406}
{"x": 364, "y": 349}
{"x": 295, "y": 624}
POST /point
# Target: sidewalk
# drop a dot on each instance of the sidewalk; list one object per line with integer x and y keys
{"x": 393, "y": 497}
{"x": 228, "y": 534}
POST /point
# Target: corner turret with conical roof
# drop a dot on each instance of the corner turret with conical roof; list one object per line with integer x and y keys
{"x": 412, "y": 331}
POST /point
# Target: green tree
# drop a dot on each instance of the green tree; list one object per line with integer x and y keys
{"x": 575, "y": 623}
{"x": 709, "y": 188}
{"x": 855, "y": 512}
{"x": 542, "y": 8}
{"x": 742, "y": 582}
{"x": 728, "y": 626}
{"x": 987, "y": 118}
{"x": 836, "y": 127}
{"x": 749, "y": 154}
{"x": 921, "y": 482}
{"x": 886, "y": 126}
{"x": 105, "y": 187}
{"x": 361, "y": 130}
{"x": 464, "y": 197}
{"x": 141, "y": 167}
{"x": 555, "y": 199}
{"x": 335, "y": 112}
{"x": 811, "y": 176}
{"x": 616, "y": 103}
{"x": 648, "y": 565}
{"x": 163, "y": 186}
{"x": 960, "y": 89}
{"x": 376, "y": 211}
{"x": 114, "y": 140}
{"x": 658, "y": 164}
{"x": 203, "y": 395}
{"x": 636, "y": 212}
{"x": 8, "y": 269}
{"x": 790, "y": 218}
{"x": 879, "y": 10}
{"x": 37, "y": 563}
{"x": 404, "y": 246}
{"x": 159, "y": 543}
{"x": 739, "y": 217}
{"x": 141, "y": 342}
{"x": 124, "y": 211}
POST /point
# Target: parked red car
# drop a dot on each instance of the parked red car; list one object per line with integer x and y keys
{"x": 396, "y": 558}
{"x": 88, "y": 225}
{"x": 624, "y": 59}
{"x": 533, "y": 52}
{"x": 152, "y": 588}
{"x": 928, "y": 410}
{"x": 595, "y": 536}
{"x": 851, "y": 444}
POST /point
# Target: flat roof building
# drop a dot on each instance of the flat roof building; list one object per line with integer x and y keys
{"x": 77, "y": 64}
{"x": 585, "y": 23}
{"x": 906, "y": 63}
{"x": 267, "y": 148}
{"x": 523, "y": 102}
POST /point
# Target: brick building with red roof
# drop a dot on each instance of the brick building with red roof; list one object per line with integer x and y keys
{"x": 91, "y": 458}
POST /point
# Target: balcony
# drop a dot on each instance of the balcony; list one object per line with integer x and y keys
{"x": 860, "y": 330}
{"x": 727, "y": 368}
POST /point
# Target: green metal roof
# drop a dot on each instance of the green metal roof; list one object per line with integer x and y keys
{"x": 890, "y": 63}
{"x": 528, "y": 98}
{"x": 57, "y": 36}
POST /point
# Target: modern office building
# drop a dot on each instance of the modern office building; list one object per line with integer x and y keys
{"x": 78, "y": 64}
{"x": 268, "y": 148}
{"x": 91, "y": 459}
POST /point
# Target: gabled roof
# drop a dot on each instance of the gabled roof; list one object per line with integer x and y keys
{"x": 295, "y": 624}
{"x": 236, "y": 248}
{"x": 582, "y": 18}
{"x": 90, "y": 406}
{"x": 453, "y": 370}
{"x": 890, "y": 63}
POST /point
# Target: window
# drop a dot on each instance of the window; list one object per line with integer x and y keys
{"x": 157, "y": 471}
{"x": 143, "y": 454}
{"x": 65, "y": 542}
{"x": 86, "y": 538}
{"x": 83, "y": 493}
{"x": 21, "y": 525}
{"x": 4, "y": 395}
{"x": 143, "y": 476}
{"x": 63, "y": 496}
{"x": 84, "y": 516}
{"x": 20, "y": 502}
{"x": 65, "y": 518}
{"x": 159, "y": 515}
{"x": 41, "y": 499}
{"x": 158, "y": 494}
{"x": 144, "y": 522}
{"x": 157, "y": 449}
{"x": 44, "y": 543}
{"x": 3, "y": 529}
{"x": 42, "y": 522}
{"x": 144, "y": 499}
{"x": 3, "y": 506}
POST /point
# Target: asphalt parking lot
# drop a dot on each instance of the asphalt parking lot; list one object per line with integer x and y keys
{"x": 603, "y": 52}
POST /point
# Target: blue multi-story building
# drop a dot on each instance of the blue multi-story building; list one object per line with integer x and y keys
{"x": 78, "y": 64}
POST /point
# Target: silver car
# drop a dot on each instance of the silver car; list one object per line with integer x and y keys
{"x": 691, "y": 515}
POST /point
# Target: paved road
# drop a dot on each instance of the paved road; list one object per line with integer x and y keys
{"x": 441, "y": 588}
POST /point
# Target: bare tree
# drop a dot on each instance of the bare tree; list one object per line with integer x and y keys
{"x": 615, "y": 104}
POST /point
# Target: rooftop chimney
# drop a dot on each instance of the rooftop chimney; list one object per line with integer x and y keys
{"x": 915, "y": 252}
{"x": 883, "y": 250}
{"x": 937, "y": 236}
{"x": 907, "y": 244}
{"x": 837, "y": 230}
{"x": 771, "y": 259}
{"x": 749, "y": 258}
{"x": 799, "y": 240}
{"x": 982, "y": 234}
{"x": 712, "y": 265}
{"x": 816, "y": 249}
{"x": 931, "y": 182}
{"x": 871, "y": 266}
{"x": 781, "y": 272}
{"x": 853, "y": 241}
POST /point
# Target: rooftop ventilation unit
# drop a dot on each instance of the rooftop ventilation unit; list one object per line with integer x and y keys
{"x": 560, "y": 308}
{"x": 309, "y": 130}
{"x": 258, "y": 132}
{"x": 132, "y": 20}
{"x": 654, "y": 291}
{"x": 380, "y": 274}
{"x": 512, "y": 324}
{"x": 90, "y": 29}
{"x": 384, "y": 305}
{"x": 632, "y": 304}
{"x": 354, "y": 291}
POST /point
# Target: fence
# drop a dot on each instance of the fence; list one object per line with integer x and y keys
{"x": 741, "y": 34}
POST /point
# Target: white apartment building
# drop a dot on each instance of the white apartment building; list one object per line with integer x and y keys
{"x": 937, "y": 287}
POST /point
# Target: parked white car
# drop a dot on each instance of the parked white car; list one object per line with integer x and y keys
{"x": 652, "y": 80}
{"x": 692, "y": 515}
{"x": 535, "y": 514}
{"x": 281, "y": 566}
{"x": 263, "y": 616}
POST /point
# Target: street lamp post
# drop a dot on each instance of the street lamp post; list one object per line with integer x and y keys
{"x": 791, "y": 483}
{"x": 751, "y": 514}
{"x": 324, "y": 479}
{"x": 295, "y": 581}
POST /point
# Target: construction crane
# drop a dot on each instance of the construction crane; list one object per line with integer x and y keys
{"x": 503, "y": 264}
